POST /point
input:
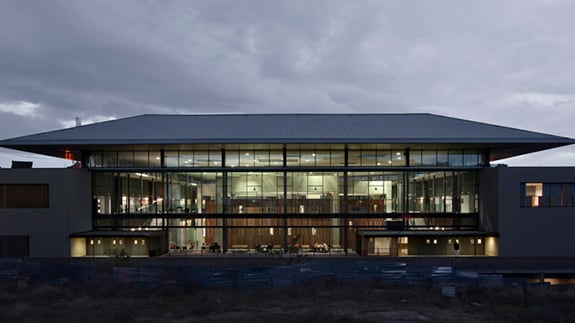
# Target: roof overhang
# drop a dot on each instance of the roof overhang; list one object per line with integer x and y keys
{"x": 415, "y": 131}
{"x": 118, "y": 234}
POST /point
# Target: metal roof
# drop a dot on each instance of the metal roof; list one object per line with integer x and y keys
{"x": 400, "y": 129}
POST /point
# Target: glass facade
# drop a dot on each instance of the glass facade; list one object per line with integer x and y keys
{"x": 248, "y": 195}
{"x": 293, "y": 156}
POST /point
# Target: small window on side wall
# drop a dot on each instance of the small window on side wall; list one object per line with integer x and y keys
{"x": 533, "y": 194}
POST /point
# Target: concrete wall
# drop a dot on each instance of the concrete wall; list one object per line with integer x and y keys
{"x": 69, "y": 211}
{"x": 527, "y": 231}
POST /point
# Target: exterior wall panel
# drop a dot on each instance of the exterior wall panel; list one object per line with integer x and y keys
{"x": 49, "y": 228}
{"x": 530, "y": 231}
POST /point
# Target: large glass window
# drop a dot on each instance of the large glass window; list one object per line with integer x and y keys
{"x": 547, "y": 194}
{"x": 429, "y": 158}
{"x": 116, "y": 193}
{"x": 127, "y": 159}
{"x": 198, "y": 196}
{"x": 110, "y": 159}
{"x": 370, "y": 155}
{"x": 444, "y": 158}
{"x": 296, "y": 156}
{"x": 375, "y": 192}
{"x": 153, "y": 193}
{"x": 154, "y": 159}
{"x": 306, "y": 192}
{"x": 171, "y": 158}
{"x": 191, "y": 158}
{"x": 255, "y": 192}
{"x": 247, "y": 158}
{"x": 443, "y": 200}
{"x": 312, "y": 156}
{"x": 95, "y": 159}
{"x": 471, "y": 158}
{"x": 193, "y": 193}
{"x": 313, "y": 192}
{"x": 254, "y": 158}
{"x": 456, "y": 158}
{"x": 443, "y": 192}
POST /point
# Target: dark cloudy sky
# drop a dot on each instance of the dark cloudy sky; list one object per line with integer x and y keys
{"x": 509, "y": 62}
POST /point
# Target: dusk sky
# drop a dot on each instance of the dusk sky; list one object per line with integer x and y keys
{"x": 510, "y": 63}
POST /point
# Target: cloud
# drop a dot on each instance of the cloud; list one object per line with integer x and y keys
{"x": 542, "y": 100}
{"x": 509, "y": 63}
{"x": 78, "y": 121}
{"x": 21, "y": 108}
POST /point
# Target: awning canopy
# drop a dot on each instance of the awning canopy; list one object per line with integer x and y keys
{"x": 426, "y": 233}
{"x": 118, "y": 234}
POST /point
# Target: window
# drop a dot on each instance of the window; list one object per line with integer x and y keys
{"x": 547, "y": 194}
{"x": 368, "y": 156}
{"x": 24, "y": 196}
{"x": 374, "y": 192}
{"x": 445, "y": 158}
{"x": 443, "y": 192}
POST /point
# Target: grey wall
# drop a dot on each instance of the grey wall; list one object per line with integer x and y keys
{"x": 526, "y": 231}
{"x": 489, "y": 200}
{"x": 69, "y": 210}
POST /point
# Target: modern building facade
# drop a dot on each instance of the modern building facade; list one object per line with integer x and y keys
{"x": 367, "y": 184}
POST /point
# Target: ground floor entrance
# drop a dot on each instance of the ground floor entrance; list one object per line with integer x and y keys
{"x": 319, "y": 237}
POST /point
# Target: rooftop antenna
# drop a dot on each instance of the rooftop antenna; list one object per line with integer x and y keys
{"x": 78, "y": 121}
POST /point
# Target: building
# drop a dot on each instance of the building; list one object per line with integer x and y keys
{"x": 367, "y": 184}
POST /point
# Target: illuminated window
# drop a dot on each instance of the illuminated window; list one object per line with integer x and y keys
{"x": 534, "y": 191}
{"x": 547, "y": 194}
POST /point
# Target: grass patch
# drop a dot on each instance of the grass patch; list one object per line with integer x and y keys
{"x": 24, "y": 301}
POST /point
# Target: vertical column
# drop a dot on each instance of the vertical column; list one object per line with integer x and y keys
{"x": 285, "y": 205}
{"x": 345, "y": 200}
{"x": 404, "y": 199}
{"x": 444, "y": 188}
{"x": 224, "y": 204}
{"x": 94, "y": 199}
{"x": 84, "y": 159}
{"x": 485, "y": 157}
{"x": 116, "y": 196}
{"x": 165, "y": 194}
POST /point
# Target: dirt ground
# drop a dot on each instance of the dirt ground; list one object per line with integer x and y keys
{"x": 26, "y": 301}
